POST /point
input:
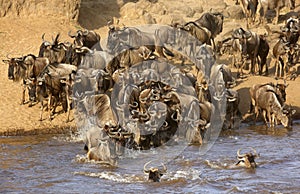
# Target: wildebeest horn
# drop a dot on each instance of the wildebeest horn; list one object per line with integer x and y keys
{"x": 254, "y": 151}
{"x": 134, "y": 104}
{"x": 43, "y": 37}
{"x": 85, "y": 32}
{"x": 104, "y": 72}
{"x": 55, "y": 41}
{"x": 175, "y": 116}
{"x": 166, "y": 124}
{"x": 164, "y": 170}
{"x": 71, "y": 35}
{"x": 145, "y": 167}
{"x": 239, "y": 154}
{"x": 83, "y": 50}
{"x": 7, "y": 56}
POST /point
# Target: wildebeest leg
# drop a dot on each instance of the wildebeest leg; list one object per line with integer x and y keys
{"x": 42, "y": 107}
{"x": 273, "y": 120}
{"x": 270, "y": 119}
{"x": 265, "y": 117}
{"x": 253, "y": 61}
{"x": 23, "y": 94}
{"x": 69, "y": 106}
{"x": 256, "y": 113}
{"x": 52, "y": 112}
{"x": 49, "y": 102}
{"x": 281, "y": 66}
{"x": 241, "y": 73}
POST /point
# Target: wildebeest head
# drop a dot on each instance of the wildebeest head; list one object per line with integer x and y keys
{"x": 31, "y": 85}
{"x": 280, "y": 89}
{"x": 247, "y": 160}
{"x": 289, "y": 112}
{"x": 86, "y": 38}
{"x": 55, "y": 51}
{"x": 115, "y": 37}
{"x": 79, "y": 37}
{"x": 119, "y": 138}
{"x": 154, "y": 173}
{"x": 43, "y": 46}
{"x": 243, "y": 37}
{"x": 291, "y": 30}
{"x": 213, "y": 21}
{"x": 16, "y": 68}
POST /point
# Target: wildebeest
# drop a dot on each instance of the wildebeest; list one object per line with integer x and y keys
{"x": 92, "y": 59}
{"x": 247, "y": 160}
{"x": 279, "y": 89}
{"x": 154, "y": 173}
{"x": 128, "y": 58}
{"x": 280, "y": 53}
{"x": 213, "y": 22}
{"x": 268, "y": 102}
{"x": 291, "y": 30}
{"x": 51, "y": 84}
{"x": 86, "y": 38}
{"x": 128, "y": 37}
{"x": 27, "y": 67}
{"x": 233, "y": 114}
{"x": 98, "y": 108}
{"x": 253, "y": 46}
{"x": 199, "y": 32}
{"x": 274, "y": 4}
{"x": 102, "y": 152}
{"x": 90, "y": 80}
{"x": 55, "y": 51}
{"x": 249, "y": 8}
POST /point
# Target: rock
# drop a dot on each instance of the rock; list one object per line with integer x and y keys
{"x": 235, "y": 12}
{"x": 130, "y": 11}
{"x": 148, "y": 19}
{"x": 22, "y": 8}
{"x": 198, "y": 9}
{"x": 158, "y": 8}
{"x": 170, "y": 19}
{"x": 215, "y": 5}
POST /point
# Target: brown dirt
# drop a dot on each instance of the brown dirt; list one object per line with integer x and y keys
{"x": 21, "y": 33}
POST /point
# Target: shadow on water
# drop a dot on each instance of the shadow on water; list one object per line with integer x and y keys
{"x": 264, "y": 130}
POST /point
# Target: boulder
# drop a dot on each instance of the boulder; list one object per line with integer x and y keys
{"x": 235, "y": 12}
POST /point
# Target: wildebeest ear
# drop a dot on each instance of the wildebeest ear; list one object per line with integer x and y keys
{"x": 6, "y": 61}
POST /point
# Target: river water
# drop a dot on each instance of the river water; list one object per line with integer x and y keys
{"x": 56, "y": 164}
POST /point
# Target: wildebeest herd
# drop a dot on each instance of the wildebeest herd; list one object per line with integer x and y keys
{"x": 148, "y": 86}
